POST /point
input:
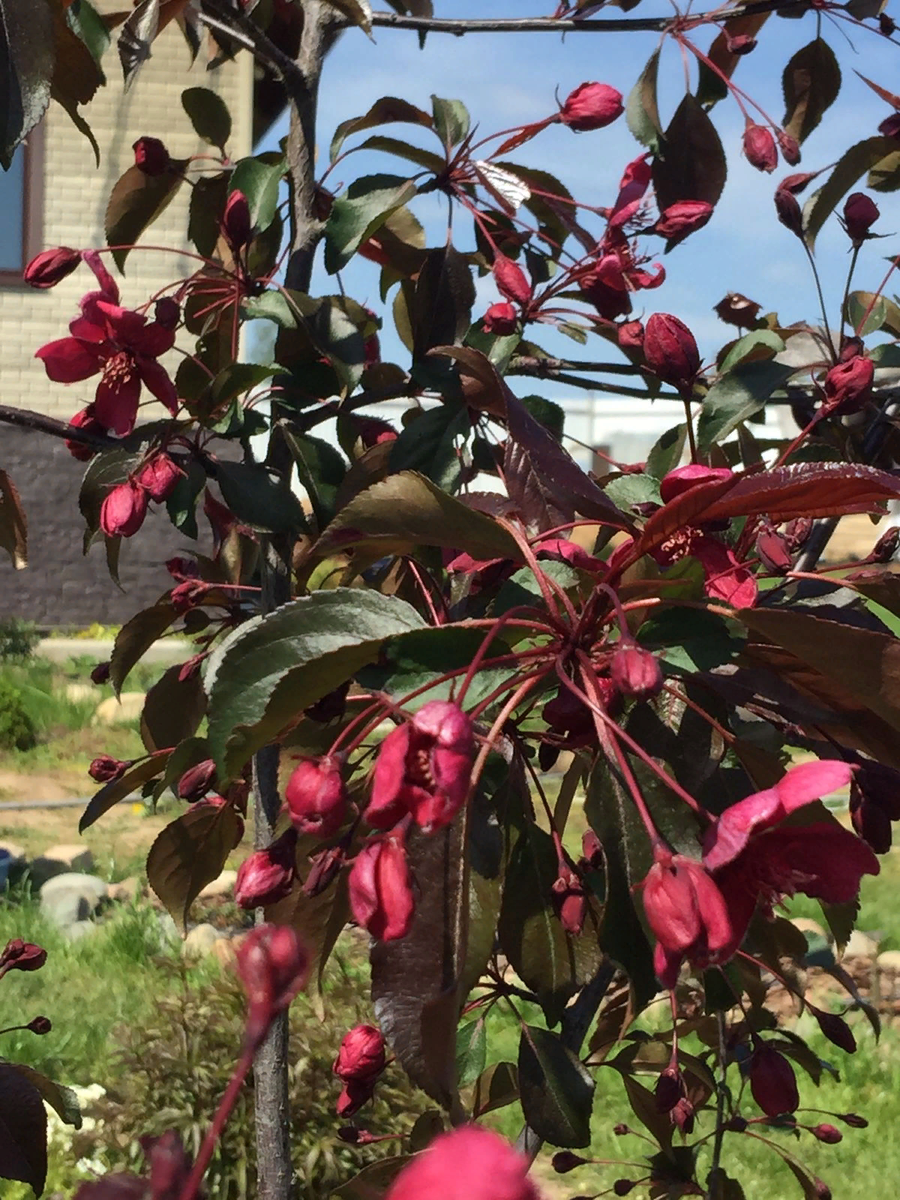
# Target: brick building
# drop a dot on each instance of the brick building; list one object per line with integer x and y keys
{"x": 55, "y": 194}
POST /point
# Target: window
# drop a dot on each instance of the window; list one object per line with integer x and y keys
{"x": 22, "y": 204}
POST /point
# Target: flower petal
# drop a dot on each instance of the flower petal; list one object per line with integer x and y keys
{"x": 68, "y": 360}
{"x": 726, "y": 839}
{"x": 811, "y": 781}
{"x": 157, "y": 380}
{"x": 116, "y": 407}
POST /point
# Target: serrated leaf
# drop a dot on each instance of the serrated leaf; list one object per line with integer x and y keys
{"x": 737, "y": 396}
{"x": 690, "y": 161}
{"x": 387, "y": 110}
{"x": 811, "y": 82}
{"x": 557, "y": 1093}
{"x": 274, "y": 666}
{"x": 137, "y": 199}
{"x": 451, "y": 120}
{"x": 642, "y": 110}
{"x": 26, "y": 62}
{"x": 850, "y": 167}
{"x": 111, "y": 793}
{"x": 259, "y": 179}
{"x": 135, "y": 637}
{"x": 208, "y": 114}
{"x": 190, "y": 853}
{"x": 359, "y": 212}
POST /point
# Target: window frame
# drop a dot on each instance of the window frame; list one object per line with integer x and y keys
{"x": 32, "y": 207}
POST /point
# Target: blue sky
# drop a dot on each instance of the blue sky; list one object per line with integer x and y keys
{"x": 511, "y": 79}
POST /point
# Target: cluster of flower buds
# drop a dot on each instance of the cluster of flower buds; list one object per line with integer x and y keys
{"x": 360, "y": 1061}
{"x": 273, "y": 966}
{"x": 124, "y": 507}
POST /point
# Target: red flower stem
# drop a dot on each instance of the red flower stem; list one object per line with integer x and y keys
{"x": 526, "y": 685}
{"x": 223, "y": 1112}
{"x": 544, "y": 582}
{"x": 436, "y": 617}
{"x": 724, "y": 733}
{"x": 480, "y": 707}
{"x": 492, "y": 633}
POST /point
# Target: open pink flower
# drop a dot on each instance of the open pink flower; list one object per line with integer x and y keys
{"x": 469, "y": 1163}
{"x": 121, "y": 346}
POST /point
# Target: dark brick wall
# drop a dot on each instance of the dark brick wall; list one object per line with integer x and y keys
{"x": 60, "y": 585}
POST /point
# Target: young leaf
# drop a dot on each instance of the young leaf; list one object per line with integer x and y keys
{"x": 811, "y": 82}
{"x": 208, "y": 114}
{"x": 642, "y": 110}
{"x": 451, "y": 121}
{"x": 557, "y": 1093}
{"x": 135, "y": 202}
{"x": 190, "y": 853}
{"x": 737, "y": 395}
{"x": 274, "y": 666}
{"x": 383, "y": 112}
{"x": 362, "y": 209}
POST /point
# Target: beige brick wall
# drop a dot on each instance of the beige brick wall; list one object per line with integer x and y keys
{"x": 76, "y": 192}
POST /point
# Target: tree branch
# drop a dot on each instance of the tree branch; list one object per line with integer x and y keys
{"x": 26, "y": 418}
{"x": 460, "y": 26}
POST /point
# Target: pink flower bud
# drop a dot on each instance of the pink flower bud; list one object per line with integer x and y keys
{"x": 501, "y": 318}
{"x": 636, "y": 672}
{"x": 273, "y": 966}
{"x": 772, "y": 1082}
{"x": 159, "y": 476}
{"x": 381, "y": 898}
{"x": 890, "y": 126}
{"x": 354, "y": 1095}
{"x": 682, "y": 218}
{"x": 511, "y": 280}
{"x": 169, "y": 1163}
{"x": 886, "y": 547}
{"x": 40, "y": 1025}
{"x": 686, "y": 912}
{"x": 682, "y": 479}
{"x": 848, "y": 384}
{"x": 50, "y": 266}
{"x": 591, "y": 106}
{"x": 361, "y": 1056}
{"x": 236, "y": 221}
{"x": 854, "y": 1120}
{"x": 86, "y": 419}
{"x": 22, "y": 956}
{"x": 671, "y": 352}
{"x": 105, "y": 769}
{"x": 564, "y": 1161}
{"x": 167, "y": 312}
{"x": 324, "y": 867}
{"x": 773, "y": 550}
{"x": 760, "y": 148}
{"x": 669, "y": 1088}
{"x": 822, "y": 1190}
{"x": 469, "y": 1163}
{"x": 860, "y": 214}
{"x": 741, "y": 43}
{"x": 316, "y": 797}
{"x": 151, "y": 155}
{"x": 197, "y": 780}
{"x": 267, "y": 875}
{"x": 423, "y": 769}
{"x": 827, "y": 1134}
{"x": 123, "y": 510}
{"x": 790, "y": 148}
{"x": 100, "y": 673}
{"x": 630, "y": 335}
{"x": 789, "y": 211}
{"x": 569, "y": 901}
{"x": 796, "y": 533}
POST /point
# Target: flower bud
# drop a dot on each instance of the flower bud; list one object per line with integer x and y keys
{"x": 105, "y": 769}
{"x": 622, "y": 1187}
{"x": 669, "y": 1088}
{"x": 267, "y": 875}
{"x": 886, "y": 25}
{"x": 381, "y": 898}
{"x": 682, "y": 479}
{"x": 100, "y": 673}
{"x": 468, "y": 1163}
{"x": 591, "y": 106}
{"x": 741, "y": 43}
{"x": 40, "y": 1025}
{"x": 50, "y": 266}
{"x": 167, "y": 312}
{"x": 324, "y": 867}
{"x": 564, "y": 1161}
{"x": 197, "y": 780}
{"x": 569, "y": 900}
{"x": 683, "y": 218}
{"x": 236, "y": 223}
{"x": 630, "y": 335}
{"x": 822, "y": 1190}
{"x": 854, "y": 1120}
{"x": 671, "y": 352}
{"x": 501, "y": 318}
{"x": 273, "y": 966}
{"x": 636, "y": 672}
{"x": 836, "y": 1030}
{"x": 886, "y": 547}
{"x": 151, "y": 155}
{"x": 682, "y": 1116}
{"x": 353, "y": 1096}
{"x": 316, "y": 797}
{"x": 22, "y": 956}
{"x": 760, "y": 148}
{"x": 772, "y": 1082}
{"x": 848, "y": 384}
{"x": 361, "y": 1056}
{"x": 790, "y": 214}
{"x": 169, "y": 1163}
{"x": 159, "y": 476}
{"x": 890, "y": 126}
{"x": 796, "y": 533}
{"x": 511, "y": 280}
{"x": 772, "y": 549}
{"x": 85, "y": 419}
{"x": 123, "y": 510}
{"x": 827, "y": 1134}
{"x": 860, "y": 214}
{"x": 790, "y": 148}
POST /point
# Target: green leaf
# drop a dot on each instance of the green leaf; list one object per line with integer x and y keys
{"x": 692, "y": 639}
{"x": 667, "y": 453}
{"x": 208, "y": 114}
{"x": 275, "y": 666}
{"x": 851, "y": 166}
{"x": 451, "y": 120}
{"x": 629, "y": 490}
{"x": 383, "y": 112}
{"x": 497, "y": 1086}
{"x": 259, "y": 179}
{"x": 84, "y": 21}
{"x": 173, "y": 709}
{"x": 111, "y": 793}
{"x": 362, "y": 209}
{"x": 136, "y": 636}
{"x": 547, "y": 413}
{"x": 885, "y": 175}
{"x": 471, "y": 1050}
{"x": 642, "y": 110}
{"x": 811, "y": 82}
{"x": 431, "y": 443}
{"x": 320, "y": 468}
{"x": 407, "y": 510}
{"x": 259, "y": 497}
{"x": 882, "y": 314}
{"x": 760, "y": 343}
{"x": 190, "y": 853}
{"x": 137, "y": 199}
{"x": 557, "y": 1093}
{"x": 415, "y": 154}
{"x": 735, "y": 397}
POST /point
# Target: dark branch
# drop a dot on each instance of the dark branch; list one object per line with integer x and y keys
{"x": 25, "y": 418}
{"x": 458, "y": 27}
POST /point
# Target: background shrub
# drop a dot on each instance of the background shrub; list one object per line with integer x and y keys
{"x": 17, "y": 730}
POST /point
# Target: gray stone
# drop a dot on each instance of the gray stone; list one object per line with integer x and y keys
{"x": 93, "y": 887}
{"x": 889, "y": 960}
{"x": 14, "y": 850}
{"x": 70, "y": 898}
{"x": 119, "y": 712}
{"x": 60, "y": 860}
{"x": 125, "y": 890}
{"x": 223, "y": 886}
{"x": 861, "y": 945}
{"x": 200, "y": 941}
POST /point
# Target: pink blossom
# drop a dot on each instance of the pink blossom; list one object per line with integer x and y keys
{"x": 381, "y": 898}
{"x": 469, "y": 1163}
